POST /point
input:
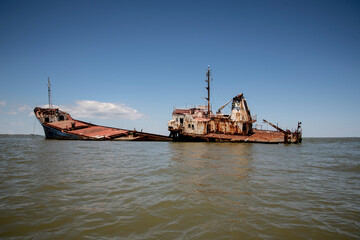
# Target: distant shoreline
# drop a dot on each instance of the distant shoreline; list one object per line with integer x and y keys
{"x": 20, "y": 134}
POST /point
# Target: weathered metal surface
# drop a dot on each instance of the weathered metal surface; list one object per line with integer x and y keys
{"x": 67, "y": 124}
{"x": 60, "y": 125}
{"x": 200, "y": 124}
{"x": 197, "y": 121}
{"x": 99, "y": 132}
{"x": 258, "y": 136}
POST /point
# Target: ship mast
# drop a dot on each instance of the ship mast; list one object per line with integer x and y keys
{"x": 208, "y": 90}
{"x": 49, "y": 92}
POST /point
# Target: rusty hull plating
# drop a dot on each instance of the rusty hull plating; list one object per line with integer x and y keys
{"x": 200, "y": 124}
{"x": 60, "y": 125}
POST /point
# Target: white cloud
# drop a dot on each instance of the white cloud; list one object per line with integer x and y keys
{"x": 2, "y": 103}
{"x": 12, "y": 112}
{"x": 102, "y": 110}
{"x": 19, "y": 110}
{"x": 24, "y": 108}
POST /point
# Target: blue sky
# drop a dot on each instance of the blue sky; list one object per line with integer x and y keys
{"x": 293, "y": 60}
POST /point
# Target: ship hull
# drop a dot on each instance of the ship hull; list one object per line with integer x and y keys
{"x": 258, "y": 136}
{"x": 51, "y": 133}
{"x": 60, "y": 125}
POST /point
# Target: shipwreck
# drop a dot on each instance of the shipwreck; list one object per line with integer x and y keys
{"x": 201, "y": 124}
{"x": 187, "y": 124}
{"x": 58, "y": 124}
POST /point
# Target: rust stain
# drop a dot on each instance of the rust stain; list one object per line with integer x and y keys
{"x": 60, "y": 125}
{"x": 200, "y": 124}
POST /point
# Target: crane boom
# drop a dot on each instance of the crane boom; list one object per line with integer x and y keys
{"x": 274, "y": 126}
{"x": 222, "y": 107}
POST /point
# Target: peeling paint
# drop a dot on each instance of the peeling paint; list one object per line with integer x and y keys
{"x": 200, "y": 124}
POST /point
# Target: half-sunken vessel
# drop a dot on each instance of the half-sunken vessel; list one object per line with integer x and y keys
{"x": 58, "y": 124}
{"x": 201, "y": 124}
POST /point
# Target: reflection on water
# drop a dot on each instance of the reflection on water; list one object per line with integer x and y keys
{"x": 211, "y": 171}
{"x": 149, "y": 190}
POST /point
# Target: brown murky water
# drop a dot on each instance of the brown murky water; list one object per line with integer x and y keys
{"x": 152, "y": 190}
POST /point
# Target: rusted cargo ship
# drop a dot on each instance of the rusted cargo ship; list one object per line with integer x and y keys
{"x": 60, "y": 125}
{"x": 200, "y": 124}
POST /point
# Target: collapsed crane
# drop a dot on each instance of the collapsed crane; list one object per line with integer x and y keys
{"x": 288, "y": 134}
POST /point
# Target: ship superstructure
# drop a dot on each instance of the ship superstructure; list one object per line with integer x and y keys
{"x": 200, "y": 124}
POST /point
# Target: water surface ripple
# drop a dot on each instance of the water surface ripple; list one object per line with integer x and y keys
{"x": 153, "y": 190}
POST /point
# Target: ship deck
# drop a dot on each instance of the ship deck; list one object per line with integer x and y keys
{"x": 87, "y": 131}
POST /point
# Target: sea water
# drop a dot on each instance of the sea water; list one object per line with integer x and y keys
{"x": 52, "y": 189}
